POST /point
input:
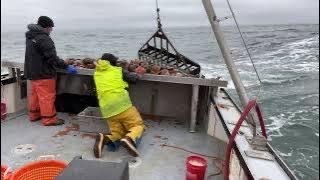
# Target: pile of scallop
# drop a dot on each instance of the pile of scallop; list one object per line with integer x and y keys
{"x": 138, "y": 66}
{"x": 87, "y": 63}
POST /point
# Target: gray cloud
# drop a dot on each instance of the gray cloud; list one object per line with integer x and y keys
{"x": 72, "y": 14}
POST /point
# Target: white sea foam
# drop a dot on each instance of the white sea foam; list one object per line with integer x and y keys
{"x": 285, "y": 154}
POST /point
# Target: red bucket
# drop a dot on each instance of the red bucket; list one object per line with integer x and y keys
{"x": 5, "y": 172}
{"x": 3, "y": 111}
{"x": 196, "y": 168}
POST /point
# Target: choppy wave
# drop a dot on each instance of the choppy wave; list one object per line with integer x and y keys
{"x": 289, "y": 154}
{"x": 289, "y": 29}
{"x": 254, "y": 44}
{"x": 266, "y": 36}
{"x": 284, "y": 81}
{"x": 277, "y": 122}
{"x": 90, "y": 35}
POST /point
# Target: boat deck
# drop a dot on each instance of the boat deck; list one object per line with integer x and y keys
{"x": 23, "y": 142}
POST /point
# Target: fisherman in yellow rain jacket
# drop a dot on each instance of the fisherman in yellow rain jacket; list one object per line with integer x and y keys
{"x": 124, "y": 121}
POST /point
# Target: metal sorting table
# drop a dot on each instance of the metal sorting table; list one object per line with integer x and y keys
{"x": 183, "y": 98}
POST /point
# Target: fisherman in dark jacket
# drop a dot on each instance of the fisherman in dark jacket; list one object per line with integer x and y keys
{"x": 41, "y": 62}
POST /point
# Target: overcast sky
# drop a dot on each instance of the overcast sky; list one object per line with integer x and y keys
{"x": 72, "y": 14}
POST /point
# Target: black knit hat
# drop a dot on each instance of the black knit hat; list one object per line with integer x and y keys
{"x": 111, "y": 58}
{"x": 45, "y": 21}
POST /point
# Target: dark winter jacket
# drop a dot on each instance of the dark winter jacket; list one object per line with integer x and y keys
{"x": 41, "y": 60}
{"x": 129, "y": 77}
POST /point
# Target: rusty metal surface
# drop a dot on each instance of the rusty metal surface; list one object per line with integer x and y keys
{"x": 259, "y": 154}
{"x": 258, "y": 142}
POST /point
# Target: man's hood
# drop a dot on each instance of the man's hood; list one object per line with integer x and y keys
{"x": 102, "y": 65}
{"x": 34, "y": 29}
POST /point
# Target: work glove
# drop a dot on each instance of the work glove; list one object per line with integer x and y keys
{"x": 71, "y": 69}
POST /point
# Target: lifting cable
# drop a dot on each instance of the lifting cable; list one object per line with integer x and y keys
{"x": 246, "y": 47}
{"x": 252, "y": 104}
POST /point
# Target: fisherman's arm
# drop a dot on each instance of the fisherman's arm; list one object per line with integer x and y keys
{"x": 129, "y": 76}
{"x": 48, "y": 49}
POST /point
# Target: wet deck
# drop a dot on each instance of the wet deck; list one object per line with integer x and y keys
{"x": 66, "y": 142}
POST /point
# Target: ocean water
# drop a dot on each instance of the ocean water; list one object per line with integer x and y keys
{"x": 286, "y": 57}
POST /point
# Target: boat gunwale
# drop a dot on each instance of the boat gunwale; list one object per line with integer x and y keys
{"x": 278, "y": 159}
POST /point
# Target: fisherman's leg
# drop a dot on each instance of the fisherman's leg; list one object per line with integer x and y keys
{"x": 33, "y": 103}
{"x": 117, "y": 131}
{"x": 46, "y": 90}
{"x": 112, "y": 140}
{"x": 135, "y": 127}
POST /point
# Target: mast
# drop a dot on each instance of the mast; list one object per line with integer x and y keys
{"x": 158, "y": 16}
{"x": 226, "y": 53}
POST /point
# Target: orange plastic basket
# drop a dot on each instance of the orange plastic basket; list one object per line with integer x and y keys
{"x": 39, "y": 170}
